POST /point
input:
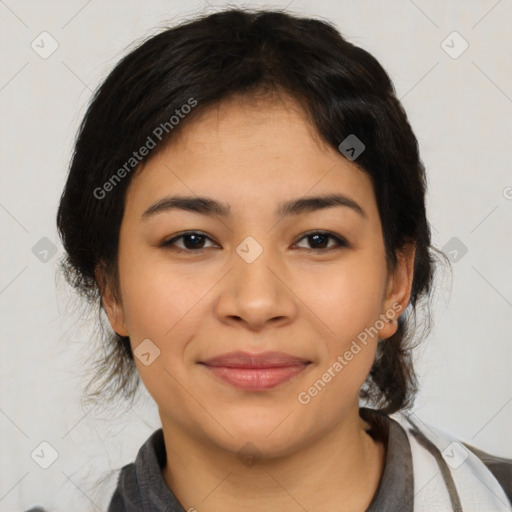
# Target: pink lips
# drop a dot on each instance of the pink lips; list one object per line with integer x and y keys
{"x": 255, "y": 372}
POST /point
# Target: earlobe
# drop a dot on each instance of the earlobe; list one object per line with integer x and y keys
{"x": 398, "y": 290}
{"x": 111, "y": 305}
{"x": 389, "y": 328}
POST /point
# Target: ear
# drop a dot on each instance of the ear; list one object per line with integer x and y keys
{"x": 111, "y": 304}
{"x": 398, "y": 290}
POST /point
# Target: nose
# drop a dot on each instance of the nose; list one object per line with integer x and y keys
{"x": 257, "y": 294}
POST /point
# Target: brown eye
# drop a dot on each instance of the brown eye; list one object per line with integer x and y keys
{"x": 192, "y": 241}
{"x": 320, "y": 240}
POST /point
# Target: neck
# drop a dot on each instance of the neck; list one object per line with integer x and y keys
{"x": 341, "y": 471}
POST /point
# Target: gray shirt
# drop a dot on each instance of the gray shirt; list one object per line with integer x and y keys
{"x": 142, "y": 488}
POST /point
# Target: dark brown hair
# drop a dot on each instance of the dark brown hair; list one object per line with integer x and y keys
{"x": 342, "y": 89}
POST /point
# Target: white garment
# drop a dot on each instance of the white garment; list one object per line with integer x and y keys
{"x": 475, "y": 487}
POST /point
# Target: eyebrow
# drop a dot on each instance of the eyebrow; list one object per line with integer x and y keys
{"x": 209, "y": 206}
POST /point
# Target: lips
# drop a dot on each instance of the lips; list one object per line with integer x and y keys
{"x": 246, "y": 360}
{"x": 255, "y": 372}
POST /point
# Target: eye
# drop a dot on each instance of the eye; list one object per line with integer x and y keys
{"x": 192, "y": 241}
{"x": 320, "y": 239}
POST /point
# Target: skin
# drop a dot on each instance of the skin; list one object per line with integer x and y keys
{"x": 295, "y": 297}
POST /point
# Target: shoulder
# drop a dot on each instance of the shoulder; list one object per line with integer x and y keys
{"x": 134, "y": 477}
{"x": 477, "y": 476}
{"x": 127, "y": 490}
{"x": 141, "y": 483}
{"x": 500, "y": 467}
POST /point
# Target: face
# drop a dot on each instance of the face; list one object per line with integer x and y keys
{"x": 310, "y": 282}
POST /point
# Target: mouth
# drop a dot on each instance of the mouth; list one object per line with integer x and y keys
{"x": 255, "y": 372}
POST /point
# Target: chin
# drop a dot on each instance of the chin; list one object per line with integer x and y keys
{"x": 261, "y": 446}
{"x": 270, "y": 437}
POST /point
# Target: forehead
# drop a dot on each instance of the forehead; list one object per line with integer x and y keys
{"x": 250, "y": 152}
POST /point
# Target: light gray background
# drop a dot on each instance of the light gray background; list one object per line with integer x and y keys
{"x": 461, "y": 111}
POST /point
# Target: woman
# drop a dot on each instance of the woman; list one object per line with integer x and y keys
{"x": 246, "y": 202}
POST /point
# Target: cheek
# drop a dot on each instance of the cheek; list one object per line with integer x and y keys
{"x": 166, "y": 308}
{"x": 161, "y": 311}
{"x": 157, "y": 300}
{"x": 350, "y": 308}
{"x": 347, "y": 298}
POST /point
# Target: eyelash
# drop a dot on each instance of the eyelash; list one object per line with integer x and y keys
{"x": 341, "y": 243}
